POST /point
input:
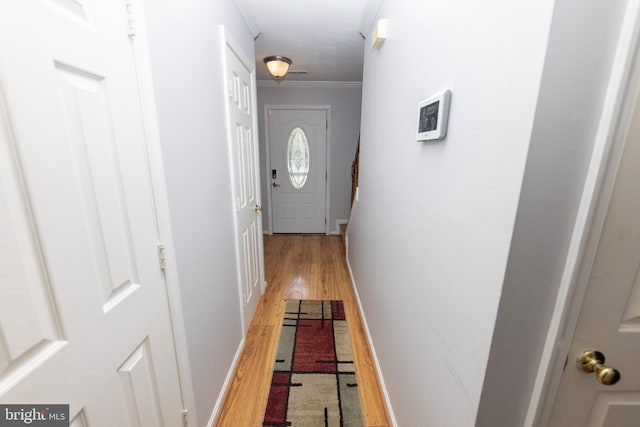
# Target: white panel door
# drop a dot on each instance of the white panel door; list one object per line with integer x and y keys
{"x": 84, "y": 316}
{"x": 610, "y": 318}
{"x": 298, "y": 157}
{"x": 246, "y": 182}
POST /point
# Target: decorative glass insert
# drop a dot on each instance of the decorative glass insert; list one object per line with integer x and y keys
{"x": 298, "y": 158}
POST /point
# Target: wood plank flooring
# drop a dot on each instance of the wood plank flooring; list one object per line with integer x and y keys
{"x": 298, "y": 267}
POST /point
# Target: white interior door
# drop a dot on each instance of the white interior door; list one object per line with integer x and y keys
{"x": 298, "y": 159}
{"x": 610, "y": 317}
{"x": 246, "y": 180}
{"x": 84, "y": 316}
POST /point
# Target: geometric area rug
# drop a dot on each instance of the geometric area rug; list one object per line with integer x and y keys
{"x": 314, "y": 380}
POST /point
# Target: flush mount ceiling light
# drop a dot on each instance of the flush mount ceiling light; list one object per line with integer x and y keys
{"x": 277, "y": 66}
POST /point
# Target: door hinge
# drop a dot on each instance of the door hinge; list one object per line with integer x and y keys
{"x": 131, "y": 19}
{"x": 162, "y": 255}
{"x": 185, "y": 418}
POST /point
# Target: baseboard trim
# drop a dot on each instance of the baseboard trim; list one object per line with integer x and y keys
{"x": 225, "y": 385}
{"x": 373, "y": 349}
{"x": 339, "y": 222}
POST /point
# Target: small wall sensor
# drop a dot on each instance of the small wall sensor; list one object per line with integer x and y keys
{"x": 380, "y": 33}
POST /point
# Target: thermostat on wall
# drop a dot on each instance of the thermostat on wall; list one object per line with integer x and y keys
{"x": 433, "y": 116}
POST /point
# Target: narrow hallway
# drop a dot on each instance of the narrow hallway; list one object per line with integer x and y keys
{"x": 298, "y": 267}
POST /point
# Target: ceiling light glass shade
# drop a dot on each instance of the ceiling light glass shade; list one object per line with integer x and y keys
{"x": 277, "y": 65}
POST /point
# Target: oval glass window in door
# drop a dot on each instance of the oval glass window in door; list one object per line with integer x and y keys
{"x": 298, "y": 158}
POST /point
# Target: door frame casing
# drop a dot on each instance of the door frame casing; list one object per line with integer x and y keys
{"x": 327, "y": 109}
{"x": 623, "y": 89}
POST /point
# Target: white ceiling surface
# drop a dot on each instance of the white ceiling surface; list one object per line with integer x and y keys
{"x": 320, "y": 36}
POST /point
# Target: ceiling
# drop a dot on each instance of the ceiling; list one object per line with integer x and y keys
{"x": 322, "y": 37}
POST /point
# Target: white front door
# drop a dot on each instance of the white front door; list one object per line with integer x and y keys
{"x": 609, "y": 321}
{"x": 246, "y": 179}
{"x": 84, "y": 316}
{"x": 298, "y": 162}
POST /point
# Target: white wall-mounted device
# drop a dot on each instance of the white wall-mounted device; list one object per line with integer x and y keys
{"x": 380, "y": 33}
{"x": 433, "y": 116}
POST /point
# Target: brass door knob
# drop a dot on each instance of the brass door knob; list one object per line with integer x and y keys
{"x": 593, "y": 361}
{"x": 257, "y": 208}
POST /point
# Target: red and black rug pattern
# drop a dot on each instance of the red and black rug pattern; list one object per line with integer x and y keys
{"x": 314, "y": 380}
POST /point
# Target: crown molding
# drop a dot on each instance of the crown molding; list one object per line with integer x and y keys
{"x": 308, "y": 84}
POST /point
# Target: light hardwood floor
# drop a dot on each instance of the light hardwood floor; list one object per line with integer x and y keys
{"x": 298, "y": 267}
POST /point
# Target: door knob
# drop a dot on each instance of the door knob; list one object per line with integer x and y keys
{"x": 593, "y": 361}
{"x": 257, "y": 208}
{"x": 275, "y": 184}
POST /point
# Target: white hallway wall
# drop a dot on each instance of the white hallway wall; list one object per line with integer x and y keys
{"x": 431, "y": 235}
{"x": 186, "y": 64}
{"x": 345, "y": 105}
{"x": 459, "y": 233}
